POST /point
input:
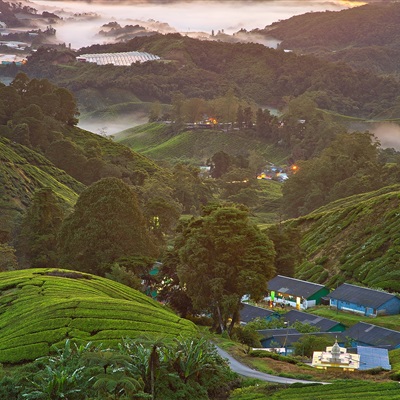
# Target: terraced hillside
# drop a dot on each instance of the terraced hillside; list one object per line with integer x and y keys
{"x": 356, "y": 239}
{"x": 153, "y": 141}
{"x": 22, "y": 172}
{"x": 42, "y": 307}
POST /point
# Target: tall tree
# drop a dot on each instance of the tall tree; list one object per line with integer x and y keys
{"x": 223, "y": 256}
{"x": 40, "y": 227}
{"x": 106, "y": 224}
{"x": 350, "y": 165}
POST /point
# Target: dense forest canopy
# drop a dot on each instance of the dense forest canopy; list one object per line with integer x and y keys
{"x": 207, "y": 69}
{"x": 365, "y": 37}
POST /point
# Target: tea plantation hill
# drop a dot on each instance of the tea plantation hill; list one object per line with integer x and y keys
{"x": 356, "y": 239}
{"x": 152, "y": 141}
{"x": 43, "y": 307}
{"x": 22, "y": 171}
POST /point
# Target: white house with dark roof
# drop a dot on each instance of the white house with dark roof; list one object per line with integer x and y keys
{"x": 295, "y": 292}
{"x": 364, "y": 301}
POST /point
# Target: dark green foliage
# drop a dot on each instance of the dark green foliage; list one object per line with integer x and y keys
{"x": 39, "y": 230}
{"x": 307, "y": 344}
{"x": 222, "y": 257}
{"x": 106, "y": 224}
{"x": 200, "y": 70}
{"x": 354, "y": 240}
{"x": 364, "y": 37}
{"x": 246, "y": 336}
{"x": 348, "y": 166}
{"x": 8, "y": 259}
{"x": 286, "y": 241}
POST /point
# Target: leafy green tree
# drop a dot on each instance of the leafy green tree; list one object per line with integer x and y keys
{"x": 287, "y": 246}
{"x": 248, "y": 117}
{"x": 155, "y": 112}
{"x": 8, "y": 259}
{"x": 106, "y": 224}
{"x": 309, "y": 343}
{"x": 350, "y": 165}
{"x": 220, "y": 164}
{"x": 223, "y": 256}
{"x": 160, "y": 208}
{"x": 188, "y": 188}
{"x": 40, "y": 227}
{"x": 240, "y": 117}
{"x": 170, "y": 291}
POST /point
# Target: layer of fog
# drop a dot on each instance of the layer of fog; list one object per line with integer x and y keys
{"x": 111, "y": 126}
{"x": 185, "y": 17}
{"x": 388, "y": 134}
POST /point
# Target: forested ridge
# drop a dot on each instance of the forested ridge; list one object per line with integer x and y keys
{"x": 365, "y": 37}
{"x": 207, "y": 69}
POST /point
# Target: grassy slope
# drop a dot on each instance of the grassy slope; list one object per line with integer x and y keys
{"x": 356, "y": 239}
{"x": 38, "y": 310}
{"x": 22, "y": 171}
{"x": 152, "y": 141}
{"x": 337, "y": 391}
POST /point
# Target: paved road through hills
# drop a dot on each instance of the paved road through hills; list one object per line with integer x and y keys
{"x": 243, "y": 370}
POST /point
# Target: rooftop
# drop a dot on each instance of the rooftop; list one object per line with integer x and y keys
{"x": 292, "y": 286}
{"x": 360, "y": 295}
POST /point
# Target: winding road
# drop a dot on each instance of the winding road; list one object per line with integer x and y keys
{"x": 244, "y": 370}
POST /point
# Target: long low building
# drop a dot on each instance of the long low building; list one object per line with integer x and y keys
{"x": 364, "y": 301}
{"x": 295, "y": 292}
{"x": 120, "y": 59}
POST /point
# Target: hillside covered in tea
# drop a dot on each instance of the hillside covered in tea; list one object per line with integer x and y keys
{"x": 40, "y": 308}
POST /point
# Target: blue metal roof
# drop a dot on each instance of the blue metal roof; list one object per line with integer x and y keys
{"x": 373, "y": 357}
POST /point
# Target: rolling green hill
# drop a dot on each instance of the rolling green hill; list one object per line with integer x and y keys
{"x": 42, "y": 307}
{"x": 22, "y": 171}
{"x": 336, "y": 391}
{"x": 197, "y": 146}
{"x": 354, "y": 240}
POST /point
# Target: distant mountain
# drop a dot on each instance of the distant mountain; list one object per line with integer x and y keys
{"x": 355, "y": 239}
{"x": 365, "y": 37}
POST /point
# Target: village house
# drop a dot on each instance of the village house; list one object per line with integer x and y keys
{"x": 364, "y": 301}
{"x": 363, "y": 334}
{"x": 323, "y": 324}
{"x": 295, "y": 292}
{"x": 249, "y": 313}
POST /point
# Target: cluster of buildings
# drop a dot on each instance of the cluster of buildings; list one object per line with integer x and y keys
{"x": 368, "y": 344}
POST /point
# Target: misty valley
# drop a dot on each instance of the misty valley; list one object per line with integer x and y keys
{"x": 182, "y": 182}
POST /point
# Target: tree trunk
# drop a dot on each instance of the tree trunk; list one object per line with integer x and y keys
{"x": 221, "y": 324}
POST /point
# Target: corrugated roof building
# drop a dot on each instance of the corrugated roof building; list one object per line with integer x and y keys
{"x": 121, "y": 59}
{"x": 364, "y": 334}
{"x": 364, "y": 301}
{"x": 249, "y": 313}
{"x": 324, "y": 324}
{"x": 298, "y": 293}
